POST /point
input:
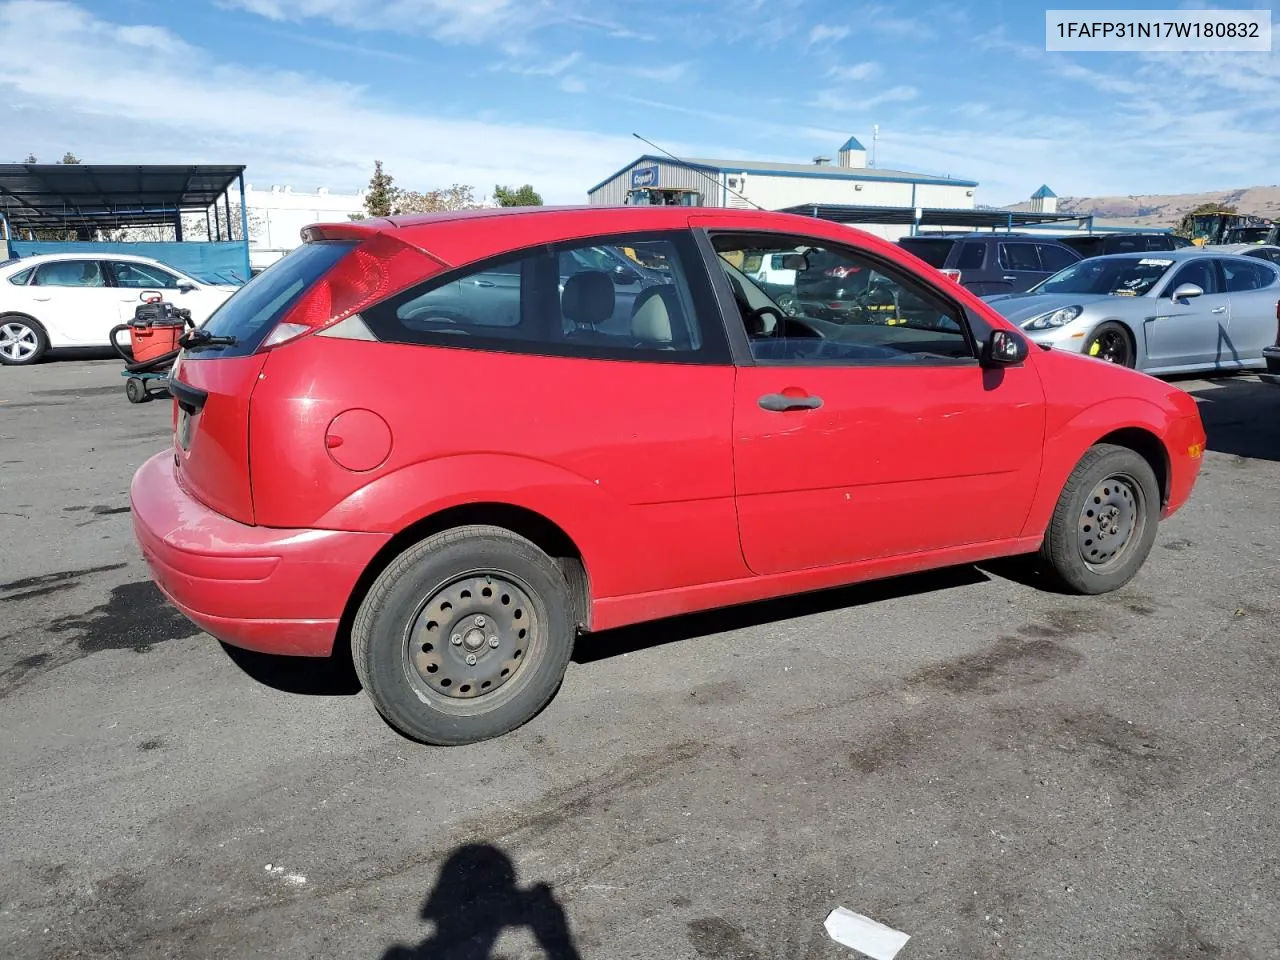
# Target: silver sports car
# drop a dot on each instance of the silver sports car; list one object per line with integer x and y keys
{"x": 1172, "y": 311}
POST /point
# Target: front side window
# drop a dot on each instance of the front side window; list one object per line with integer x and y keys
{"x": 838, "y": 306}
{"x": 1054, "y": 258}
{"x": 139, "y": 275}
{"x": 585, "y": 299}
{"x": 1199, "y": 272}
{"x": 71, "y": 273}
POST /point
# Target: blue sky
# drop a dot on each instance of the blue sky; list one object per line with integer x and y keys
{"x": 310, "y": 92}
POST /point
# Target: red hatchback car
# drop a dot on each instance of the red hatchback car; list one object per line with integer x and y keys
{"x": 461, "y": 440}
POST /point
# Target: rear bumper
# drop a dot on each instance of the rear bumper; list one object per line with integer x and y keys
{"x": 274, "y": 591}
{"x": 1272, "y": 356}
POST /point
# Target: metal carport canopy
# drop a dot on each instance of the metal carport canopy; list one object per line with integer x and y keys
{"x": 102, "y": 195}
{"x": 929, "y": 216}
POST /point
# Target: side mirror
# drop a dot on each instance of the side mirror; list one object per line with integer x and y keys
{"x": 624, "y": 276}
{"x": 1004, "y": 349}
{"x": 1187, "y": 291}
{"x": 186, "y": 286}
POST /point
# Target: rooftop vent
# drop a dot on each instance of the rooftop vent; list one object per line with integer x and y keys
{"x": 819, "y": 161}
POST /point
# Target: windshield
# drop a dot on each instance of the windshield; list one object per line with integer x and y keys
{"x": 1117, "y": 276}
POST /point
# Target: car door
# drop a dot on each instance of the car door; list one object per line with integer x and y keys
{"x": 1020, "y": 265}
{"x": 1191, "y": 332}
{"x": 74, "y": 301}
{"x": 135, "y": 282}
{"x": 883, "y": 438}
{"x": 1253, "y": 287}
{"x": 493, "y": 294}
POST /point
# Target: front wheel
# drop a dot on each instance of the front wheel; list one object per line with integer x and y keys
{"x": 22, "y": 341}
{"x": 465, "y": 636}
{"x": 1105, "y": 522}
{"x": 1111, "y": 342}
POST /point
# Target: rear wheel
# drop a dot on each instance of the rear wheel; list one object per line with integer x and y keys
{"x": 136, "y": 390}
{"x": 22, "y": 340}
{"x": 465, "y": 636}
{"x": 1111, "y": 342}
{"x": 1105, "y": 522}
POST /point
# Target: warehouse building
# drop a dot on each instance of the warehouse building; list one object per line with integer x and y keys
{"x": 654, "y": 180}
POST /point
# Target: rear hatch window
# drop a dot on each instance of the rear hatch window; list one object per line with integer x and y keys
{"x": 932, "y": 252}
{"x": 254, "y": 310}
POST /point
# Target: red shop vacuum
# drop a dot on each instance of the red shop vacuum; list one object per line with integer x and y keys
{"x": 154, "y": 334}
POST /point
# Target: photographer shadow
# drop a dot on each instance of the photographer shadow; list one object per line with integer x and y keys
{"x": 475, "y": 899}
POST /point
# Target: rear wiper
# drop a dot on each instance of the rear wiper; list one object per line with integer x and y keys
{"x": 203, "y": 338}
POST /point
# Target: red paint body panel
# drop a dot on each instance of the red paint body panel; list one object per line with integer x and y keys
{"x": 897, "y": 460}
{"x": 278, "y": 591}
{"x": 213, "y": 467}
{"x": 625, "y": 457}
{"x": 680, "y": 493}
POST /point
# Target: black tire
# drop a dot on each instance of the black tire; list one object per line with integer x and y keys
{"x": 135, "y": 388}
{"x": 1112, "y": 342}
{"x": 1094, "y": 501}
{"x": 20, "y": 349}
{"x": 415, "y": 630}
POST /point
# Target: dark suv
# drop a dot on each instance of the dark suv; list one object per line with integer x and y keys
{"x": 992, "y": 263}
{"x": 1102, "y": 244}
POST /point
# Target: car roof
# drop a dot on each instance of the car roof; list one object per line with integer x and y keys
{"x": 39, "y": 258}
{"x": 1184, "y": 253}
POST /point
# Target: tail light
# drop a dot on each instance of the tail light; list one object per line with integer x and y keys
{"x": 378, "y": 268}
{"x": 951, "y": 274}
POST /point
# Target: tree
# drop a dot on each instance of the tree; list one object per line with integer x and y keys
{"x": 1186, "y": 226}
{"x": 524, "y": 196}
{"x": 69, "y": 157}
{"x": 381, "y": 197}
{"x": 456, "y": 197}
{"x": 31, "y": 158}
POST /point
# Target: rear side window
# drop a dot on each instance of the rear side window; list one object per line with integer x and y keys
{"x": 70, "y": 273}
{"x": 1242, "y": 275}
{"x": 253, "y": 311}
{"x": 1126, "y": 245}
{"x": 1055, "y": 258}
{"x": 932, "y": 252}
{"x": 575, "y": 299}
{"x": 972, "y": 256}
{"x": 1160, "y": 243}
{"x": 1020, "y": 256}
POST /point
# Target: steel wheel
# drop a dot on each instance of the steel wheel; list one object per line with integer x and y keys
{"x": 19, "y": 341}
{"x": 1110, "y": 343}
{"x": 471, "y": 638}
{"x": 1110, "y": 521}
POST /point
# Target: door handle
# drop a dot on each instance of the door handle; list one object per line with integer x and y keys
{"x": 483, "y": 283}
{"x": 780, "y": 402}
{"x": 1218, "y": 310}
{"x": 42, "y": 299}
{"x": 1010, "y": 278}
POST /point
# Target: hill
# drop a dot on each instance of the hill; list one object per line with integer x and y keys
{"x": 1165, "y": 210}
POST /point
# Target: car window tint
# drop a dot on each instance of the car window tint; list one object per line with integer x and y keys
{"x": 134, "y": 275}
{"x": 1200, "y": 272}
{"x": 1054, "y": 258}
{"x": 972, "y": 256}
{"x": 1270, "y": 255}
{"x": 1241, "y": 275}
{"x": 839, "y": 306}
{"x": 70, "y": 273}
{"x": 22, "y": 276}
{"x": 1020, "y": 256}
{"x": 628, "y": 298}
{"x": 1160, "y": 243}
{"x": 932, "y": 252}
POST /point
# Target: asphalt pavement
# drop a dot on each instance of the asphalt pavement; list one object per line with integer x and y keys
{"x": 995, "y": 769}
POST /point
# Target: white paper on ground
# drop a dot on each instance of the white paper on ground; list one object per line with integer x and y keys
{"x": 864, "y": 934}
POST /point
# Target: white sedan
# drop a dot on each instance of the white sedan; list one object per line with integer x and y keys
{"x": 74, "y": 299}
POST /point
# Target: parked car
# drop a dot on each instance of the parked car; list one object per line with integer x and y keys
{"x": 992, "y": 263}
{"x": 1173, "y": 312}
{"x": 1104, "y": 244}
{"x": 462, "y": 497}
{"x": 73, "y": 300}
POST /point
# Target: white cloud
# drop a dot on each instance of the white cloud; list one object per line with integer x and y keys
{"x": 827, "y": 33}
{"x": 855, "y": 71}
{"x": 67, "y": 86}
{"x": 573, "y": 85}
{"x": 666, "y": 74}
{"x": 840, "y": 100}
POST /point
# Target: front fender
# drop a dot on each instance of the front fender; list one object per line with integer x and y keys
{"x": 1068, "y": 441}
